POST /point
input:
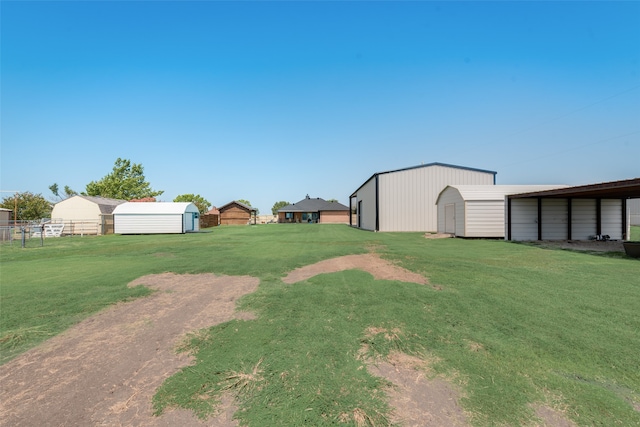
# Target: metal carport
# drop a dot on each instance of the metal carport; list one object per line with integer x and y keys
{"x": 618, "y": 191}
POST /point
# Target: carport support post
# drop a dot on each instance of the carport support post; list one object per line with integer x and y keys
{"x": 624, "y": 219}
{"x": 508, "y": 218}
{"x": 569, "y": 207}
{"x": 539, "y": 218}
{"x": 598, "y": 217}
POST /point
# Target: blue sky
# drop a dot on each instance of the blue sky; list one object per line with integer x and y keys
{"x": 269, "y": 101}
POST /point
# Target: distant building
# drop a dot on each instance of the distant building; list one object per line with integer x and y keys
{"x": 211, "y": 218}
{"x": 85, "y": 214}
{"x": 314, "y": 210}
{"x": 237, "y": 213}
{"x": 5, "y": 221}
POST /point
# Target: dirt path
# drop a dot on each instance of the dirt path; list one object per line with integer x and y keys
{"x": 105, "y": 370}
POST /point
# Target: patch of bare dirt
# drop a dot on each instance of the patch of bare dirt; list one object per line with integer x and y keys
{"x": 551, "y": 417}
{"x": 371, "y": 263}
{"x": 105, "y": 370}
{"x": 438, "y": 235}
{"x": 418, "y": 400}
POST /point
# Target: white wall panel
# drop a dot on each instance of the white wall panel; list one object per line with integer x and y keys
{"x": 583, "y": 219}
{"x": 484, "y": 218}
{"x": 611, "y": 218}
{"x": 634, "y": 211}
{"x": 367, "y": 195}
{"x": 524, "y": 219}
{"x": 554, "y": 219}
{"x": 147, "y": 223}
{"x": 408, "y": 197}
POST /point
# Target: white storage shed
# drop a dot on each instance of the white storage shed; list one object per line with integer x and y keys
{"x": 156, "y": 218}
{"x": 477, "y": 210}
{"x": 405, "y": 199}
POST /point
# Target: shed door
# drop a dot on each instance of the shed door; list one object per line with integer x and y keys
{"x": 450, "y": 218}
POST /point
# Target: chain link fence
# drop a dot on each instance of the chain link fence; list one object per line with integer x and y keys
{"x": 35, "y": 233}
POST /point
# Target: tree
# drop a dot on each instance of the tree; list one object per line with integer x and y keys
{"x": 68, "y": 192}
{"x": 248, "y": 203}
{"x": 29, "y": 206}
{"x": 278, "y": 205}
{"x": 202, "y": 204}
{"x": 125, "y": 182}
{"x": 332, "y": 200}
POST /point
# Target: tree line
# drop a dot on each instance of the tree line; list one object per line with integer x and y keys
{"x": 125, "y": 182}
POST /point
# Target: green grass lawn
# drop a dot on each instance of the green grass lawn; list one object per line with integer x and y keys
{"x": 509, "y": 324}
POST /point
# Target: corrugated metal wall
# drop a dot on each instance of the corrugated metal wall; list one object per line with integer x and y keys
{"x": 554, "y": 219}
{"x": 484, "y": 218}
{"x": 584, "y": 219}
{"x": 524, "y": 219}
{"x": 366, "y": 202}
{"x": 408, "y": 198}
{"x": 147, "y": 224}
{"x": 634, "y": 211}
{"x": 612, "y": 218}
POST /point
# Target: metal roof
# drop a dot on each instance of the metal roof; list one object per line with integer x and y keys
{"x": 155, "y": 208}
{"x": 446, "y": 165}
{"x": 105, "y": 204}
{"x": 494, "y": 192}
{"x": 625, "y": 189}
{"x": 313, "y": 205}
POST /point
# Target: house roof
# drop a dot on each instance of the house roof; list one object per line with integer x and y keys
{"x": 242, "y": 205}
{"x": 105, "y": 204}
{"x": 494, "y": 192}
{"x": 155, "y": 208}
{"x": 317, "y": 204}
{"x": 428, "y": 165}
{"x": 625, "y": 189}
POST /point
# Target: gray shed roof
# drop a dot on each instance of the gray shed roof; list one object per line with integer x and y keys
{"x": 313, "y": 205}
{"x": 105, "y": 204}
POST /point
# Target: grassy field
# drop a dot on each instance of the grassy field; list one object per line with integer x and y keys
{"x": 510, "y": 324}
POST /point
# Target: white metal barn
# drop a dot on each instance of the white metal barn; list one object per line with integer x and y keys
{"x": 405, "y": 199}
{"x": 156, "y": 218}
{"x": 84, "y": 214}
{"x": 477, "y": 210}
{"x": 573, "y": 213}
